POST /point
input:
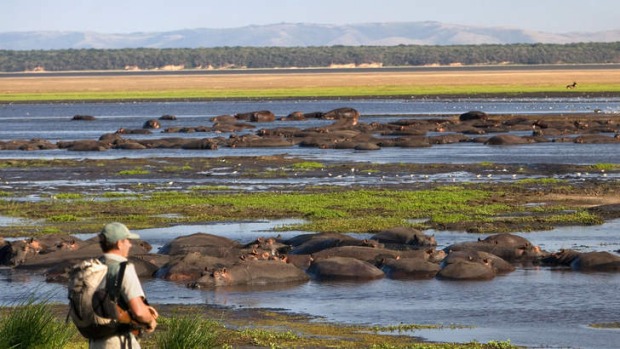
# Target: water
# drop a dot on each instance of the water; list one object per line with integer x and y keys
{"x": 532, "y": 306}
{"x": 536, "y": 307}
{"x": 53, "y": 122}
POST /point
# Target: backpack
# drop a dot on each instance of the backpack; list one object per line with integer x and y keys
{"x": 92, "y": 308}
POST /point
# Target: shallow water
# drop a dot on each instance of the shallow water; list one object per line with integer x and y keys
{"x": 53, "y": 122}
{"x": 532, "y": 306}
{"x": 537, "y": 307}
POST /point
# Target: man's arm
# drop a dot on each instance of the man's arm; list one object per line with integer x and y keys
{"x": 143, "y": 313}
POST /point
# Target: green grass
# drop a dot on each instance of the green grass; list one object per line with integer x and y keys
{"x": 187, "y": 332}
{"x": 133, "y": 172}
{"x": 31, "y": 325}
{"x": 69, "y": 196}
{"x": 308, "y": 165}
{"x": 605, "y": 167}
{"x": 334, "y": 210}
{"x": 300, "y": 92}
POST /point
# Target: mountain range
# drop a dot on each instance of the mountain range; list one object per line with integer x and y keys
{"x": 299, "y": 35}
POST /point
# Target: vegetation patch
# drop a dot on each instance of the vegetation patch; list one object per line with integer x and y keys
{"x": 308, "y": 165}
{"x": 134, "y": 171}
{"x": 610, "y": 325}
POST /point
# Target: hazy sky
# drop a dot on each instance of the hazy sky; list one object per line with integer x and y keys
{"x": 123, "y": 16}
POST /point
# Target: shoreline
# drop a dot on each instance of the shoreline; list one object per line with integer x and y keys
{"x": 448, "y": 96}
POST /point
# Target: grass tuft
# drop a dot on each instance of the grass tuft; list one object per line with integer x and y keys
{"x": 33, "y": 325}
{"x": 187, "y": 332}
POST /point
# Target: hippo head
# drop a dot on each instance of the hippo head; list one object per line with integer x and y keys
{"x": 435, "y": 256}
{"x": 423, "y": 240}
{"x": 372, "y": 243}
{"x": 151, "y": 124}
{"x": 221, "y": 277}
{"x": 17, "y": 252}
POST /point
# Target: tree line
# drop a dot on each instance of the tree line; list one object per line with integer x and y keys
{"x": 303, "y": 57}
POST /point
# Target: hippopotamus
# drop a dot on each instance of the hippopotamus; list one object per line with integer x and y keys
{"x": 270, "y": 245}
{"x": 133, "y": 131}
{"x": 428, "y": 254}
{"x": 343, "y": 268}
{"x": 296, "y": 116}
{"x": 168, "y": 117}
{"x": 318, "y": 242}
{"x": 192, "y": 266}
{"x": 52, "y": 242}
{"x": 68, "y": 256}
{"x": 207, "y": 244}
{"x": 80, "y": 117}
{"x": 512, "y": 248}
{"x": 473, "y": 115}
{"x": 145, "y": 266}
{"x": 584, "y": 261}
{"x": 13, "y": 253}
{"x": 499, "y": 265}
{"x": 506, "y": 139}
{"x": 257, "y": 116}
{"x": 403, "y": 238}
{"x": 467, "y": 270}
{"x": 128, "y": 144}
{"x": 83, "y": 145}
{"x": 253, "y": 141}
{"x": 342, "y": 113}
{"x": 409, "y": 268}
{"x": 252, "y": 273}
{"x": 364, "y": 253}
{"x": 151, "y": 124}
{"x": 204, "y": 143}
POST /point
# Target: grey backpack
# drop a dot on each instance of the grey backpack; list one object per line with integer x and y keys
{"x": 92, "y": 307}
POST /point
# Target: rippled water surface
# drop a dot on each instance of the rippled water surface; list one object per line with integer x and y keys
{"x": 53, "y": 122}
{"x": 532, "y": 306}
{"x": 536, "y": 307}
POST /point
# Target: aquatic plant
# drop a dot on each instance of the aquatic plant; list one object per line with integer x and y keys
{"x": 133, "y": 172}
{"x": 308, "y": 165}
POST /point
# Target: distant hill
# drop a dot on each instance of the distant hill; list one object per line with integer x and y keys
{"x": 299, "y": 35}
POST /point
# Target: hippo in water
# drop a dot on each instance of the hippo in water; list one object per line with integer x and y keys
{"x": 467, "y": 270}
{"x": 409, "y": 268}
{"x": 584, "y": 261}
{"x": 343, "y": 268}
{"x": 510, "y": 247}
{"x": 252, "y": 273}
{"x": 403, "y": 238}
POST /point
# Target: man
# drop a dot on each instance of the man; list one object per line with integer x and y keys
{"x": 115, "y": 241}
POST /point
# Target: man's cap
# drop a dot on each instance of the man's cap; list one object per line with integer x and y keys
{"x": 115, "y": 231}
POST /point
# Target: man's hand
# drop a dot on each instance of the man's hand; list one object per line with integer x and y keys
{"x": 153, "y": 312}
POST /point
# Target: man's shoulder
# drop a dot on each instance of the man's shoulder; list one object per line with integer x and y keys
{"x": 114, "y": 258}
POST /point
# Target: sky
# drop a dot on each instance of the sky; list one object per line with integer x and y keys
{"x": 128, "y": 16}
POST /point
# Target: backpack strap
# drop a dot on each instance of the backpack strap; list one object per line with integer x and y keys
{"x": 115, "y": 289}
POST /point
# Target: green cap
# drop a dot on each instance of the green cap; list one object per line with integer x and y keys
{"x": 115, "y": 231}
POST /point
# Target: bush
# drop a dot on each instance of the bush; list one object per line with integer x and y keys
{"x": 186, "y": 332}
{"x": 33, "y": 325}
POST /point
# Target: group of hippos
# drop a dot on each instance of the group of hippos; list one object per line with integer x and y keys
{"x": 345, "y": 132}
{"x": 208, "y": 261}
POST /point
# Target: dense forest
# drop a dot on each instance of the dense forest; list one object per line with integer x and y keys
{"x": 324, "y": 56}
